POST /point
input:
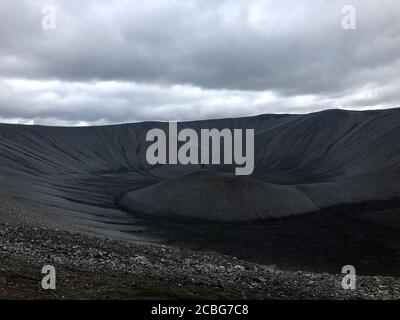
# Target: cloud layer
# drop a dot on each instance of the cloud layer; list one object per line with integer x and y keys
{"x": 122, "y": 61}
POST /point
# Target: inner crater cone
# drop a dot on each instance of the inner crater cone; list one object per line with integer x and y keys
{"x": 217, "y": 196}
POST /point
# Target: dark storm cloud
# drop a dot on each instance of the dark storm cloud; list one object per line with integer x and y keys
{"x": 220, "y": 54}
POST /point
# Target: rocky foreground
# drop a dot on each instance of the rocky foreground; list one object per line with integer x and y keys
{"x": 94, "y": 268}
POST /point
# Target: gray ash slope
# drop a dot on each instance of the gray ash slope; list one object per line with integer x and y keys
{"x": 77, "y": 175}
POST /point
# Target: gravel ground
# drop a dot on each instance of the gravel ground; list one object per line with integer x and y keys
{"x": 94, "y": 268}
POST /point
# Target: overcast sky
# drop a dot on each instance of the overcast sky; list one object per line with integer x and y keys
{"x": 124, "y": 61}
